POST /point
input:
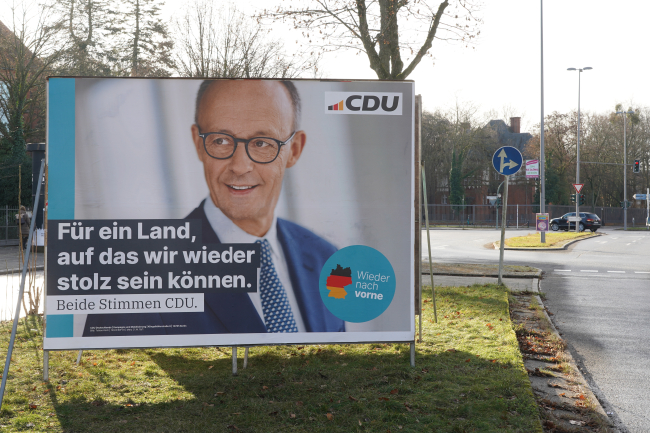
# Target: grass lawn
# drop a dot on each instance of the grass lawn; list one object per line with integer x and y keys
{"x": 532, "y": 240}
{"x": 469, "y": 377}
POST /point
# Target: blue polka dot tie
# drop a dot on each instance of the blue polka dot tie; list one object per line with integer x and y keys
{"x": 275, "y": 304}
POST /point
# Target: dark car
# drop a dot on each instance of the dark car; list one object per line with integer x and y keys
{"x": 589, "y": 221}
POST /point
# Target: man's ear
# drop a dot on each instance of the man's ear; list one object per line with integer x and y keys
{"x": 296, "y": 146}
{"x": 198, "y": 142}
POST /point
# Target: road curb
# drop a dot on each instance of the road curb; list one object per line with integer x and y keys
{"x": 563, "y": 247}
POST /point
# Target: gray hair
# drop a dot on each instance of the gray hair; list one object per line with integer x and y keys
{"x": 291, "y": 88}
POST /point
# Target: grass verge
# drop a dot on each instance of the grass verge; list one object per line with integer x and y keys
{"x": 469, "y": 377}
{"x": 533, "y": 240}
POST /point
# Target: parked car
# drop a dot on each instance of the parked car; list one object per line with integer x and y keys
{"x": 589, "y": 221}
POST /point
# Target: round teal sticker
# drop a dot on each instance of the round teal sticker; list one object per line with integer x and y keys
{"x": 357, "y": 283}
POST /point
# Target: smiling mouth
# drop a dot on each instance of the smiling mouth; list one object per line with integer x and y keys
{"x": 241, "y": 188}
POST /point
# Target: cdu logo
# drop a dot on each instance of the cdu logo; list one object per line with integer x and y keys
{"x": 363, "y": 103}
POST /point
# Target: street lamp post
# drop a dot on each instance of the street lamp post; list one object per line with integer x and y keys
{"x": 578, "y": 145}
{"x": 542, "y": 158}
{"x": 625, "y": 113}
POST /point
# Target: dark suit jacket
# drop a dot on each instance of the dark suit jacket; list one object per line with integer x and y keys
{"x": 305, "y": 253}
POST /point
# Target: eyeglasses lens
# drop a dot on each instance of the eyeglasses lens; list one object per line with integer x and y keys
{"x": 260, "y": 149}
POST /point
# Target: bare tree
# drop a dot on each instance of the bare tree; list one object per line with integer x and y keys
{"x": 225, "y": 43}
{"x": 28, "y": 53}
{"x": 377, "y": 28}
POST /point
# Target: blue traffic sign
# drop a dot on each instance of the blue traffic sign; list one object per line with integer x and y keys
{"x": 507, "y": 160}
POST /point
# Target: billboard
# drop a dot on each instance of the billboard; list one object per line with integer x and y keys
{"x": 184, "y": 212}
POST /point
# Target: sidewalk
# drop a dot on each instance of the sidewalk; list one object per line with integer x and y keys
{"x": 10, "y": 260}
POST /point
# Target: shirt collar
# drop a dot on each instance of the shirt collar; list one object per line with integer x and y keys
{"x": 229, "y": 233}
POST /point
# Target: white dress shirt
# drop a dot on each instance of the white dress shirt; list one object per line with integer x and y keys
{"x": 229, "y": 233}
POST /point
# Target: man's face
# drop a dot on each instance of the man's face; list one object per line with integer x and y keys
{"x": 246, "y": 191}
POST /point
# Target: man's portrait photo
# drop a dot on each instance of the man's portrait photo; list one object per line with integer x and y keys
{"x": 264, "y": 162}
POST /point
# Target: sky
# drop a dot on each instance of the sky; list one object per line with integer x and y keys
{"x": 502, "y": 71}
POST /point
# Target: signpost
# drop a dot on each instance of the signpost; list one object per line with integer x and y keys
{"x": 645, "y": 197}
{"x": 578, "y": 188}
{"x": 507, "y": 160}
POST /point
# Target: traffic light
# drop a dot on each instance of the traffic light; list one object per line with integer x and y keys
{"x": 636, "y": 167}
{"x": 498, "y": 201}
{"x": 582, "y": 199}
{"x": 573, "y": 198}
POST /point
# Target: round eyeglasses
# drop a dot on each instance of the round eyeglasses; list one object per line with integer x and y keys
{"x": 262, "y": 150}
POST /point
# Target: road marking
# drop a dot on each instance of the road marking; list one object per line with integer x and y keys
{"x": 627, "y": 244}
{"x": 562, "y": 270}
{"x": 641, "y": 272}
{"x": 582, "y": 270}
{"x": 617, "y": 272}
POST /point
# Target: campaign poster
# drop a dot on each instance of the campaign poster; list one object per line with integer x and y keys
{"x": 184, "y": 212}
{"x": 541, "y": 222}
{"x": 532, "y": 168}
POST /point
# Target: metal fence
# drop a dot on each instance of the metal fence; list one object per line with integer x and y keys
{"x": 523, "y": 216}
{"x": 8, "y": 226}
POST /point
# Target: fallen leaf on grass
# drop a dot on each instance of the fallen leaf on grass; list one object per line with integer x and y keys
{"x": 33, "y": 406}
{"x": 352, "y": 398}
{"x": 468, "y": 360}
{"x": 265, "y": 387}
{"x": 330, "y": 416}
{"x": 299, "y": 403}
{"x": 219, "y": 393}
{"x": 582, "y": 397}
{"x": 451, "y": 350}
{"x": 383, "y": 399}
{"x": 211, "y": 367}
{"x": 395, "y": 391}
{"x": 292, "y": 415}
{"x": 133, "y": 363}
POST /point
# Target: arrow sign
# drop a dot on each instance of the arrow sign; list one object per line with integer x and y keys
{"x": 578, "y": 187}
{"x": 640, "y": 196}
{"x": 507, "y": 160}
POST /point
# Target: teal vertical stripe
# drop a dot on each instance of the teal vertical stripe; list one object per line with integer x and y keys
{"x": 59, "y": 326}
{"x": 60, "y": 148}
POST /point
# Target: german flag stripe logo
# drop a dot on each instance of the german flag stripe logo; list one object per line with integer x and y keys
{"x": 336, "y": 107}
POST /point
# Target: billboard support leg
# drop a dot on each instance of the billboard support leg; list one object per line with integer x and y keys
{"x": 234, "y": 360}
{"x": 245, "y": 357}
{"x": 46, "y": 366}
{"x": 21, "y": 293}
{"x": 79, "y": 356}
{"x": 412, "y": 344}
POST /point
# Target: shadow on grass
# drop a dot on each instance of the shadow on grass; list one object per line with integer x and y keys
{"x": 291, "y": 389}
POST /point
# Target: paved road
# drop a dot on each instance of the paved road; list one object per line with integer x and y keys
{"x": 599, "y": 293}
